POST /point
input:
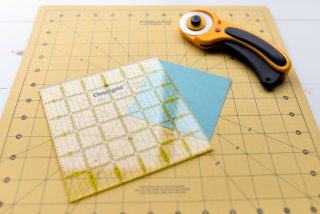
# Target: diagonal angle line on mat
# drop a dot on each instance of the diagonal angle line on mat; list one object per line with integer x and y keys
{"x": 235, "y": 183}
{"x": 30, "y": 191}
{"x": 89, "y": 42}
{"x": 27, "y": 150}
{"x": 117, "y": 41}
{"x": 267, "y": 136}
{"x": 273, "y": 172}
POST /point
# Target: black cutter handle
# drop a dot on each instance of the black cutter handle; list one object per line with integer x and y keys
{"x": 268, "y": 76}
{"x": 261, "y": 45}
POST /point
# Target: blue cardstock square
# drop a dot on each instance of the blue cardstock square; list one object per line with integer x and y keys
{"x": 203, "y": 92}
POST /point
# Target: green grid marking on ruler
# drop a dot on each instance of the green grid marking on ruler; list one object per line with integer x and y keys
{"x": 118, "y": 125}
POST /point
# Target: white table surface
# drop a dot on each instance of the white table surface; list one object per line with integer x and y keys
{"x": 298, "y": 22}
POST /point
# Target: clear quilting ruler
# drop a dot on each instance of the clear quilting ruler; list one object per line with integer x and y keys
{"x": 119, "y": 125}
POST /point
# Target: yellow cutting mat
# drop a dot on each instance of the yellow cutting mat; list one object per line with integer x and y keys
{"x": 266, "y": 144}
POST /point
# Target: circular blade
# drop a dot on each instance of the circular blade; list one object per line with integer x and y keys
{"x": 185, "y": 29}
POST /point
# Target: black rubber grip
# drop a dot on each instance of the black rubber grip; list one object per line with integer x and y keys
{"x": 264, "y": 47}
{"x": 268, "y": 76}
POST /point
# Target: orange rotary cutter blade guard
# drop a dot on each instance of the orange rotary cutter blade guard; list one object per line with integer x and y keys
{"x": 205, "y": 30}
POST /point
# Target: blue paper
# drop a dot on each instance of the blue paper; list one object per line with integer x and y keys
{"x": 203, "y": 92}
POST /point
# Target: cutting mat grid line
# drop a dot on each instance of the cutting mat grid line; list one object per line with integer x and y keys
{"x": 257, "y": 134}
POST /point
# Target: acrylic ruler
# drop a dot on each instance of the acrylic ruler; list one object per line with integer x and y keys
{"x": 119, "y": 125}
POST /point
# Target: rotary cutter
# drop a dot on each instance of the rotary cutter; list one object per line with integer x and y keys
{"x": 205, "y": 30}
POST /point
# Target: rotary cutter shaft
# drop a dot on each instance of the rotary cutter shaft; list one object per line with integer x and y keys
{"x": 205, "y": 30}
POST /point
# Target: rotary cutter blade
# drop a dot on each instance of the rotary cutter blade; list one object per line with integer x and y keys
{"x": 205, "y": 29}
{"x": 196, "y": 19}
